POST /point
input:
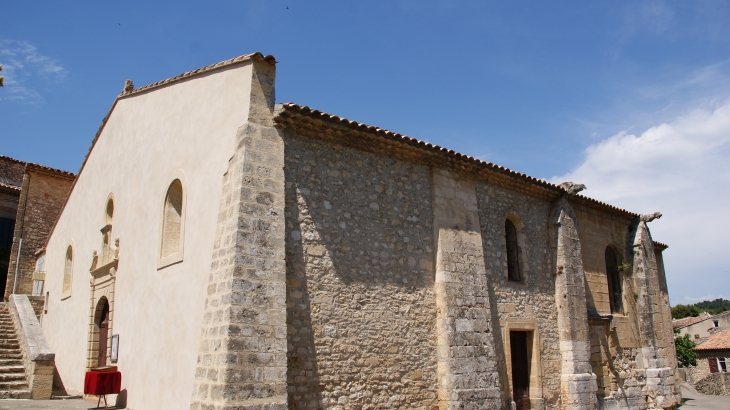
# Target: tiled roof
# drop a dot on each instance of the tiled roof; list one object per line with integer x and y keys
{"x": 718, "y": 341}
{"x": 36, "y": 167}
{"x": 231, "y": 61}
{"x": 12, "y": 159}
{"x": 43, "y": 168}
{"x": 688, "y": 321}
{"x": 291, "y": 110}
{"x": 658, "y": 244}
{"x": 9, "y": 186}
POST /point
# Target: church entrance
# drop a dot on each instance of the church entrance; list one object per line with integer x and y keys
{"x": 103, "y": 329}
{"x": 520, "y": 369}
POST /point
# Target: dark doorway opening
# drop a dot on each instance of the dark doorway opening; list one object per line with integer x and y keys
{"x": 102, "y": 310}
{"x": 520, "y": 369}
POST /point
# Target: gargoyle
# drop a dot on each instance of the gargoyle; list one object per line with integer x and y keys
{"x": 651, "y": 217}
{"x": 128, "y": 86}
{"x": 572, "y": 188}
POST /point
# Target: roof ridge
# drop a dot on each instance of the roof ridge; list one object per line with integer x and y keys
{"x": 225, "y": 63}
{"x": 12, "y": 159}
{"x": 50, "y": 169}
{"x": 445, "y": 151}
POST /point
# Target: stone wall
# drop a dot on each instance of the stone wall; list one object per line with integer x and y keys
{"x": 716, "y": 384}
{"x": 530, "y": 301}
{"x": 11, "y": 171}
{"x": 360, "y": 301}
{"x": 43, "y": 195}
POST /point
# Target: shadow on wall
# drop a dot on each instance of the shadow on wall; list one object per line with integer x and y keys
{"x": 359, "y": 276}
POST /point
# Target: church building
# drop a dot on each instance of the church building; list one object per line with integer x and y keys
{"x": 244, "y": 254}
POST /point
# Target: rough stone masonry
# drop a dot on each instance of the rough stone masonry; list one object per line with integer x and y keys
{"x": 355, "y": 268}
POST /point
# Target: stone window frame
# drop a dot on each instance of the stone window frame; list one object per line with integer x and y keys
{"x": 521, "y": 249}
{"x": 621, "y": 309}
{"x": 67, "y": 271}
{"x": 534, "y": 355}
{"x": 163, "y": 262}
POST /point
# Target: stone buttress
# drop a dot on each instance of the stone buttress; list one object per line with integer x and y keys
{"x": 467, "y": 363}
{"x": 242, "y": 353}
{"x": 577, "y": 382}
{"x": 657, "y": 350}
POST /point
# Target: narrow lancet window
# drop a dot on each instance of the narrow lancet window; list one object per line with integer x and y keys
{"x": 514, "y": 273}
{"x": 614, "y": 280}
{"x": 172, "y": 220}
{"x": 68, "y": 271}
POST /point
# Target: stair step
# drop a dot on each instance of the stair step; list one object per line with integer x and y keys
{"x": 11, "y": 356}
{"x": 15, "y": 394}
{"x": 13, "y": 385}
{"x": 12, "y": 377}
{"x": 14, "y": 368}
{"x": 11, "y": 362}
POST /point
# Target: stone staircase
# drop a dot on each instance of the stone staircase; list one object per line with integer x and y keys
{"x": 13, "y": 383}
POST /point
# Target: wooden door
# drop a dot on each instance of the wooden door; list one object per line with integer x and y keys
{"x": 520, "y": 370}
{"x": 103, "y": 334}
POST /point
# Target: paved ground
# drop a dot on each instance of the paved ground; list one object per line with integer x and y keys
{"x": 695, "y": 401}
{"x": 692, "y": 401}
{"x": 72, "y": 404}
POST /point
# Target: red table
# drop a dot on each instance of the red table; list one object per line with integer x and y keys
{"x": 102, "y": 383}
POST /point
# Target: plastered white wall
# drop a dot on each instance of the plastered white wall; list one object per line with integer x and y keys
{"x": 189, "y": 126}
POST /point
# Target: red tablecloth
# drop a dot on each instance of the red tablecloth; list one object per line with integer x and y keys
{"x": 99, "y": 383}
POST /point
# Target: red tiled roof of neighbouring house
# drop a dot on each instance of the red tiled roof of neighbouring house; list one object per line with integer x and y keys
{"x": 718, "y": 341}
{"x": 688, "y": 321}
{"x": 30, "y": 166}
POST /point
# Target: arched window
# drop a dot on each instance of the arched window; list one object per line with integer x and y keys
{"x": 614, "y": 280}
{"x": 68, "y": 272}
{"x": 109, "y": 211}
{"x": 514, "y": 271}
{"x": 172, "y": 220}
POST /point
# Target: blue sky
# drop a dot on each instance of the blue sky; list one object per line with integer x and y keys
{"x": 631, "y": 99}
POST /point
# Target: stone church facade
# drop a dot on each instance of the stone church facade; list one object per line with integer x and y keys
{"x": 269, "y": 256}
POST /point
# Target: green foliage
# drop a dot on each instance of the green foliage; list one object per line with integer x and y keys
{"x": 714, "y": 307}
{"x": 681, "y": 311}
{"x": 686, "y": 355}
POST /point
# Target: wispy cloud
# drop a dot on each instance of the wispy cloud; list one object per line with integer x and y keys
{"x": 680, "y": 168}
{"x": 23, "y": 67}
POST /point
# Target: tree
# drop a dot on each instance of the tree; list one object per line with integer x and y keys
{"x": 681, "y": 311}
{"x": 686, "y": 354}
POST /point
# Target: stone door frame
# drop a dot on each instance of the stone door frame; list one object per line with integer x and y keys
{"x": 103, "y": 282}
{"x": 534, "y": 358}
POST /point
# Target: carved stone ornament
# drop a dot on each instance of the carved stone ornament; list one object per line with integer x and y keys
{"x": 94, "y": 260}
{"x": 128, "y": 86}
{"x": 651, "y": 217}
{"x": 572, "y": 188}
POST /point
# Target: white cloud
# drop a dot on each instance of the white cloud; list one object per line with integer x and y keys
{"x": 23, "y": 66}
{"x": 682, "y": 169}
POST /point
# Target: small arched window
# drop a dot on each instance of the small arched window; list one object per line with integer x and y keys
{"x": 614, "y": 280}
{"x": 172, "y": 220}
{"x": 68, "y": 272}
{"x": 514, "y": 272}
{"x": 109, "y": 211}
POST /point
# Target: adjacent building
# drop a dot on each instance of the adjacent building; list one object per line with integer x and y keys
{"x": 225, "y": 251}
{"x": 31, "y": 198}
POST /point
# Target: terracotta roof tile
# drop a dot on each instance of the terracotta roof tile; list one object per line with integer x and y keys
{"x": 688, "y": 321}
{"x": 9, "y": 186}
{"x": 718, "y": 341}
{"x": 231, "y": 61}
{"x": 393, "y": 136}
{"x": 43, "y": 168}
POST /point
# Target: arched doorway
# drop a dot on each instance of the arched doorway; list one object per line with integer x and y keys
{"x": 101, "y": 320}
